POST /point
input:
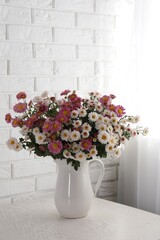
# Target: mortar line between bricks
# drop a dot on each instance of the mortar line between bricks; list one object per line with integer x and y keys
{"x": 57, "y": 27}
{"x": 58, "y": 60}
{"x": 76, "y": 19}
{"x": 94, "y": 5}
{"x": 58, "y": 10}
{"x": 32, "y": 16}
{"x": 64, "y": 44}
{"x": 53, "y": 3}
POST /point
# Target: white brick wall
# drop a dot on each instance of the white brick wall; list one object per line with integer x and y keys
{"x": 51, "y": 45}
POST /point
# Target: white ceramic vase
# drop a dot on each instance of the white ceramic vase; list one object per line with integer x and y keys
{"x": 73, "y": 192}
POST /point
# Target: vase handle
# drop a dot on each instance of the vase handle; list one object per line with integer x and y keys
{"x": 101, "y": 175}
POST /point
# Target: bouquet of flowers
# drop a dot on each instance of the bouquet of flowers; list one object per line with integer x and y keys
{"x": 72, "y": 128}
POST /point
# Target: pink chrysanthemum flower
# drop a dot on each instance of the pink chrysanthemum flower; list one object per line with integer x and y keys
{"x": 55, "y": 147}
{"x": 86, "y": 144}
{"x": 29, "y": 122}
{"x": 56, "y": 126}
{"x": 120, "y": 110}
{"x": 16, "y": 122}
{"x": 8, "y": 118}
{"x": 21, "y": 95}
{"x": 62, "y": 118}
{"x": 20, "y": 107}
{"x": 65, "y": 92}
{"x": 47, "y": 126}
{"x": 105, "y": 100}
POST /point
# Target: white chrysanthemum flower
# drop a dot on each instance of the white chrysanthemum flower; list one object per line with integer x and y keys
{"x": 44, "y": 94}
{"x": 137, "y": 119}
{"x": 97, "y": 124}
{"x": 114, "y": 121}
{"x": 123, "y": 121}
{"x": 117, "y": 128}
{"x": 109, "y": 148}
{"x": 37, "y": 99}
{"x": 85, "y": 134}
{"x": 80, "y": 156}
{"x": 145, "y": 131}
{"x": 93, "y": 152}
{"x": 65, "y": 134}
{"x": 40, "y": 138}
{"x": 103, "y": 137}
{"x": 90, "y": 104}
{"x": 75, "y": 136}
{"x": 77, "y": 123}
{"x": 46, "y": 102}
{"x": 106, "y": 112}
{"x": 110, "y": 129}
{"x": 106, "y": 120}
{"x": 100, "y": 118}
{"x": 24, "y": 130}
{"x": 134, "y": 133}
{"x": 66, "y": 154}
{"x": 11, "y": 142}
{"x": 74, "y": 114}
{"x": 112, "y": 140}
{"x": 17, "y": 147}
{"x": 93, "y": 116}
{"x": 36, "y": 131}
{"x": 75, "y": 147}
{"x": 117, "y": 152}
{"x": 113, "y": 114}
{"x": 82, "y": 112}
{"x": 99, "y": 108}
{"x": 86, "y": 127}
{"x": 123, "y": 140}
{"x": 102, "y": 127}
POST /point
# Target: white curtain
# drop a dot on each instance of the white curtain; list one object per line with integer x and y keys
{"x": 138, "y": 70}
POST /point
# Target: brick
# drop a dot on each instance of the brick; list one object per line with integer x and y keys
{"x": 29, "y": 33}
{"x": 56, "y": 19}
{"x": 3, "y": 67}
{"x": 5, "y": 134}
{"x": 11, "y": 155}
{"x": 107, "y": 189}
{"x": 32, "y": 3}
{"x": 52, "y": 51}
{"x": 46, "y": 182}
{"x": 73, "y": 36}
{"x": 16, "y": 186}
{"x": 104, "y": 69}
{"x": 15, "y": 84}
{"x": 105, "y": 37}
{"x": 110, "y": 174}
{"x": 95, "y": 21}
{"x": 75, "y": 5}
{"x": 5, "y": 171}
{"x": 110, "y": 7}
{"x": 15, "y": 50}
{"x": 98, "y": 53}
{"x": 56, "y": 84}
{"x": 4, "y": 100}
{"x": 34, "y": 167}
{"x": 91, "y": 83}
{"x": 74, "y": 68}
{"x": 2, "y": 32}
{"x": 28, "y": 67}
{"x": 15, "y": 14}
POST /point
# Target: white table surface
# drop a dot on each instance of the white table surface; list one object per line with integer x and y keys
{"x": 38, "y": 219}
